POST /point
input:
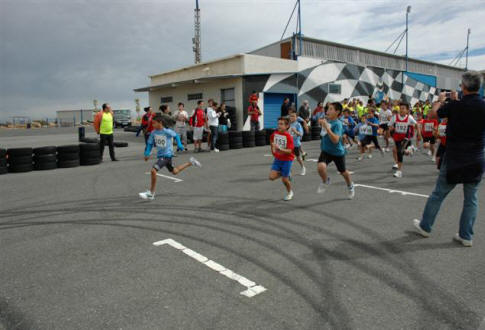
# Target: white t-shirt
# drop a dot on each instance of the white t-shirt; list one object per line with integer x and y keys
{"x": 212, "y": 117}
{"x": 384, "y": 116}
{"x": 179, "y": 117}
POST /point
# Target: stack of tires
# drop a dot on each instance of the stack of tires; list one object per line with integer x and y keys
{"x": 222, "y": 141}
{"x": 269, "y": 131}
{"x": 260, "y": 138}
{"x": 3, "y": 161}
{"x": 306, "y": 136}
{"x": 45, "y": 158}
{"x": 90, "y": 154}
{"x": 235, "y": 140}
{"x": 316, "y": 132}
{"x": 19, "y": 160}
{"x": 248, "y": 139}
{"x": 68, "y": 156}
{"x": 232, "y": 118}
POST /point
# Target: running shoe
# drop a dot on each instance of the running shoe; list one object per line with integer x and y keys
{"x": 464, "y": 242}
{"x": 195, "y": 162}
{"x": 351, "y": 192}
{"x": 397, "y": 174}
{"x": 418, "y": 229}
{"x": 360, "y": 157}
{"x": 216, "y": 150}
{"x": 323, "y": 187}
{"x": 429, "y": 153}
{"x": 410, "y": 150}
{"x": 147, "y": 195}
{"x": 395, "y": 167}
{"x": 382, "y": 152}
{"x": 433, "y": 159}
{"x": 369, "y": 156}
{"x": 303, "y": 171}
{"x": 288, "y": 197}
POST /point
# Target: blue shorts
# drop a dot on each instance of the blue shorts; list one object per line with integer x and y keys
{"x": 282, "y": 166}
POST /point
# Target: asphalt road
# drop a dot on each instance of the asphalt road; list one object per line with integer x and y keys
{"x": 76, "y": 247}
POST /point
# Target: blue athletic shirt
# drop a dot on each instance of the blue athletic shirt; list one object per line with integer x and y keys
{"x": 163, "y": 140}
{"x": 349, "y": 124}
{"x": 296, "y": 138}
{"x": 373, "y": 120}
{"x": 336, "y": 149}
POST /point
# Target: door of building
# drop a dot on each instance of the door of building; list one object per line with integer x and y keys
{"x": 272, "y": 108}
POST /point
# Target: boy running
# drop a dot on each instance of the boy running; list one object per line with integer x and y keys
{"x": 296, "y": 131}
{"x": 373, "y": 123}
{"x": 400, "y": 126}
{"x": 333, "y": 149}
{"x": 428, "y": 128}
{"x": 282, "y": 148}
{"x": 162, "y": 138}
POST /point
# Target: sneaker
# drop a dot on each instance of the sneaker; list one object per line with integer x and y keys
{"x": 360, "y": 157}
{"x": 397, "y": 174}
{"x": 303, "y": 171}
{"x": 147, "y": 195}
{"x": 216, "y": 150}
{"x": 382, "y": 152}
{"x": 464, "y": 242}
{"x": 369, "y": 156}
{"x": 323, "y": 187}
{"x": 433, "y": 159}
{"x": 289, "y": 197}
{"x": 410, "y": 151}
{"x": 195, "y": 162}
{"x": 395, "y": 167}
{"x": 418, "y": 229}
{"x": 347, "y": 146}
{"x": 429, "y": 153}
{"x": 351, "y": 192}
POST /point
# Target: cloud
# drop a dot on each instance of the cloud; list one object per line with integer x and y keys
{"x": 62, "y": 54}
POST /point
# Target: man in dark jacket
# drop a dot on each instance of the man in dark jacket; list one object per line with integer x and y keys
{"x": 285, "y": 107}
{"x": 464, "y": 159}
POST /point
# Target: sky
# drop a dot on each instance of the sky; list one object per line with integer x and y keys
{"x": 63, "y": 54}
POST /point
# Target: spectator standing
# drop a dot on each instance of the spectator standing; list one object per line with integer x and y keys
{"x": 285, "y": 107}
{"x": 197, "y": 121}
{"x": 103, "y": 124}
{"x": 181, "y": 118}
{"x": 146, "y": 123}
{"x": 464, "y": 159}
{"x": 223, "y": 118}
{"x": 165, "y": 109}
{"x": 254, "y": 113}
{"x": 304, "y": 111}
{"x": 213, "y": 123}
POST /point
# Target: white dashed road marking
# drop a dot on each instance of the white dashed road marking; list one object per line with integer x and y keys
{"x": 391, "y": 191}
{"x": 167, "y": 177}
{"x": 251, "y": 288}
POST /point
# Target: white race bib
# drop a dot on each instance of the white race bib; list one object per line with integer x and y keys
{"x": 442, "y": 130}
{"x": 161, "y": 141}
{"x": 428, "y": 127}
{"x": 368, "y": 130}
{"x": 280, "y": 141}
{"x": 401, "y": 128}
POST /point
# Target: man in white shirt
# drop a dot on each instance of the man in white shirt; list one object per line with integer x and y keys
{"x": 213, "y": 123}
{"x": 181, "y": 118}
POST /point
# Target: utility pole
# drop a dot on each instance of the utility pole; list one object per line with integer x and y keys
{"x": 467, "y": 40}
{"x": 196, "y": 38}
{"x": 299, "y": 30}
{"x": 408, "y": 10}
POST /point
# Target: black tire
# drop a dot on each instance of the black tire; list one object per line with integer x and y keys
{"x": 269, "y": 131}
{"x": 20, "y": 168}
{"x": 20, "y": 160}
{"x": 3, "y": 170}
{"x": 45, "y": 150}
{"x": 90, "y": 154}
{"x": 236, "y": 146}
{"x": 247, "y": 134}
{"x": 236, "y": 140}
{"x": 249, "y": 144}
{"x": 89, "y": 147}
{"x": 73, "y": 148}
{"x": 3, "y": 153}
{"x": 68, "y": 163}
{"x": 259, "y": 142}
{"x": 223, "y": 147}
{"x": 45, "y": 166}
{"x": 41, "y": 159}
{"x": 306, "y": 137}
{"x": 121, "y": 144}
{"x": 3, "y": 162}
{"x": 90, "y": 161}
{"x": 19, "y": 152}
{"x": 89, "y": 140}
{"x": 68, "y": 156}
{"x": 233, "y": 134}
{"x": 223, "y": 138}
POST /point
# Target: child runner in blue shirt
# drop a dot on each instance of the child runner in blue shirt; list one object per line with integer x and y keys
{"x": 333, "y": 149}
{"x": 296, "y": 131}
{"x": 363, "y": 130}
{"x": 373, "y": 122}
{"x": 162, "y": 138}
{"x": 349, "y": 125}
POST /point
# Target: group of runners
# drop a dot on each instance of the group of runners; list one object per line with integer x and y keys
{"x": 343, "y": 125}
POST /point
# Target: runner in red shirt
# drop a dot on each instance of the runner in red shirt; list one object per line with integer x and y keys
{"x": 146, "y": 123}
{"x": 430, "y": 124}
{"x": 441, "y": 134}
{"x": 282, "y": 148}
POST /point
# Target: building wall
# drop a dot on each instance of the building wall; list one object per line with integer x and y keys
{"x": 210, "y": 90}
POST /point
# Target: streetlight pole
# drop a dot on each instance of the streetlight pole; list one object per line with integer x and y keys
{"x": 467, "y": 40}
{"x": 408, "y": 10}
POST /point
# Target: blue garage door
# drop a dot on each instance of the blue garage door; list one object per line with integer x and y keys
{"x": 272, "y": 108}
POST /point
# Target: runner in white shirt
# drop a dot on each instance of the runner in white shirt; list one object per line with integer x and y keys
{"x": 385, "y": 116}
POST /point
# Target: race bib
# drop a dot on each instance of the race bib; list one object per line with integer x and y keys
{"x": 428, "y": 127}
{"x": 368, "y": 130}
{"x": 161, "y": 141}
{"x": 280, "y": 141}
{"x": 401, "y": 128}
{"x": 442, "y": 130}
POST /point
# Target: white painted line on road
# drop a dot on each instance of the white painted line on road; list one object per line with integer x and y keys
{"x": 251, "y": 288}
{"x": 391, "y": 191}
{"x": 312, "y": 160}
{"x": 167, "y": 177}
{"x": 268, "y": 155}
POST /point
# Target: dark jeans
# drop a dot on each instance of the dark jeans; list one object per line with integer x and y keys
{"x": 214, "y": 135}
{"x": 103, "y": 138}
{"x": 255, "y": 126}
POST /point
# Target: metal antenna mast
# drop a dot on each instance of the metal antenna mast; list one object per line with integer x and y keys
{"x": 196, "y": 38}
{"x": 467, "y": 40}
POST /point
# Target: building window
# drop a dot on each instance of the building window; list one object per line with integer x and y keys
{"x": 334, "y": 88}
{"x": 197, "y": 96}
{"x": 167, "y": 99}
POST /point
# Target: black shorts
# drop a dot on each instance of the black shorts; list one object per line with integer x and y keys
{"x": 328, "y": 158}
{"x": 385, "y": 127}
{"x": 297, "y": 151}
{"x": 431, "y": 140}
{"x": 163, "y": 162}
